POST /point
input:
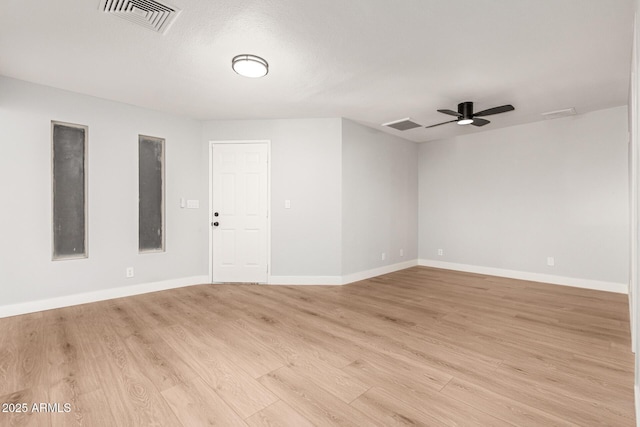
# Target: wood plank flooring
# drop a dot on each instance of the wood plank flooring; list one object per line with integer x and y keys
{"x": 420, "y": 346}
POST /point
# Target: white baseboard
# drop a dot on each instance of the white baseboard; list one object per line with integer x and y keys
{"x": 621, "y": 288}
{"x": 340, "y": 280}
{"x": 363, "y": 275}
{"x": 124, "y": 291}
{"x": 101, "y": 295}
{"x": 305, "y": 280}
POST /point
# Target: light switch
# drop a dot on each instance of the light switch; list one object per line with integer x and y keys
{"x": 287, "y": 204}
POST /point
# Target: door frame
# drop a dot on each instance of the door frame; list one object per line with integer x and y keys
{"x": 210, "y": 194}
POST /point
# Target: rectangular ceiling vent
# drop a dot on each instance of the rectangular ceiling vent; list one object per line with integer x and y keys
{"x": 402, "y": 124}
{"x": 559, "y": 113}
{"x": 150, "y": 14}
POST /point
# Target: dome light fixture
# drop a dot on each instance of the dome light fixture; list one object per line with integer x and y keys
{"x": 250, "y": 66}
{"x": 465, "y": 121}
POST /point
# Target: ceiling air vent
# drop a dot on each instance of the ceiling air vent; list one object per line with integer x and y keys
{"x": 149, "y": 14}
{"x": 402, "y": 124}
{"x": 559, "y": 113}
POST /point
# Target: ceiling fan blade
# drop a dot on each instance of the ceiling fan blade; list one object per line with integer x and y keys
{"x": 443, "y": 123}
{"x": 450, "y": 112}
{"x": 480, "y": 122}
{"x": 494, "y": 110}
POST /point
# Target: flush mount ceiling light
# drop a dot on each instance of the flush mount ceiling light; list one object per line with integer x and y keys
{"x": 465, "y": 121}
{"x": 250, "y": 66}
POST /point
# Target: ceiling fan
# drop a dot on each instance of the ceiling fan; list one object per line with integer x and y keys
{"x": 464, "y": 116}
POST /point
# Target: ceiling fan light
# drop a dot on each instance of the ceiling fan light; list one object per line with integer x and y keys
{"x": 250, "y": 66}
{"x": 465, "y": 121}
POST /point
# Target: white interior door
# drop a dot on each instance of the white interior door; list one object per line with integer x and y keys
{"x": 239, "y": 222}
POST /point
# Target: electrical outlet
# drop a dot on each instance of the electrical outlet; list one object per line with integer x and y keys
{"x": 401, "y": 252}
{"x": 129, "y": 272}
{"x": 440, "y": 252}
{"x": 551, "y": 261}
{"x": 384, "y": 256}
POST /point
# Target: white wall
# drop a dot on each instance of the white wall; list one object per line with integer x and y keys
{"x": 305, "y": 169}
{"x": 510, "y": 198}
{"x": 27, "y": 272}
{"x": 379, "y": 199}
{"x": 634, "y": 196}
{"x": 504, "y": 199}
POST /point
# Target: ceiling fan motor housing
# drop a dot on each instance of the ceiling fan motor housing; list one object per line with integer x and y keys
{"x": 466, "y": 109}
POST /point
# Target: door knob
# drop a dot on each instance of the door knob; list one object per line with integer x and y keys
{"x": 215, "y": 224}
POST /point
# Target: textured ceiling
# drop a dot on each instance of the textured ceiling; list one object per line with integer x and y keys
{"x": 371, "y": 61}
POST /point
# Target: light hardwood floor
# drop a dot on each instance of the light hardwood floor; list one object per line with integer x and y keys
{"x": 417, "y": 347}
